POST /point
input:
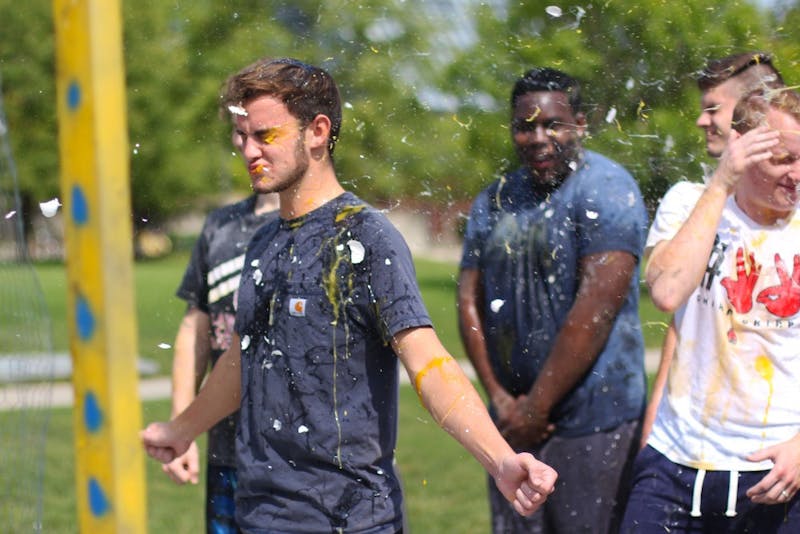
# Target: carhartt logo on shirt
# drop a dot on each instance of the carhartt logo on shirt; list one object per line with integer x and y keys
{"x": 297, "y": 307}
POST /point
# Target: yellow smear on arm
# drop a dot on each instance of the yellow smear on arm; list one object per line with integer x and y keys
{"x": 435, "y": 363}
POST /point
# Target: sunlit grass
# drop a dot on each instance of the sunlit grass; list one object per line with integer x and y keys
{"x": 159, "y": 310}
{"x": 445, "y": 487}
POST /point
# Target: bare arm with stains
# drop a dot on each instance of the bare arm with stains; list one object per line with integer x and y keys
{"x": 189, "y": 365}
{"x": 455, "y": 405}
{"x": 676, "y": 266}
{"x": 604, "y": 283}
{"x": 218, "y": 398}
{"x": 470, "y": 322}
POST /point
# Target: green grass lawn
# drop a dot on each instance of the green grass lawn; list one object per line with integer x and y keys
{"x": 159, "y": 311}
{"x": 445, "y": 487}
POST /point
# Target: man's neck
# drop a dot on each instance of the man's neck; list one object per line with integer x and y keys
{"x": 317, "y": 187}
{"x": 265, "y": 203}
{"x": 761, "y": 215}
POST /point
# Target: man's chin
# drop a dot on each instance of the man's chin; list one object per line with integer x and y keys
{"x": 546, "y": 177}
{"x": 262, "y": 187}
{"x": 714, "y": 149}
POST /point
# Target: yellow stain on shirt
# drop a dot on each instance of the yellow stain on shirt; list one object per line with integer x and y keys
{"x": 765, "y": 368}
{"x": 719, "y": 395}
{"x": 347, "y": 211}
{"x": 756, "y": 243}
{"x": 333, "y": 291}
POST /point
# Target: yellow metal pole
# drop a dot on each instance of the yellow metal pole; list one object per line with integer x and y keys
{"x": 93, "y": 145}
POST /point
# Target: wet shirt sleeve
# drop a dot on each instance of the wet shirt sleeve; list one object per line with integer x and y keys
{"x": 391, "y": 279}
{"x": 610, "y": 214}
{"x": 673, "y": 210}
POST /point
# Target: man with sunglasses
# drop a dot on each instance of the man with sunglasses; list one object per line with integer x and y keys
{"x": 724, "y": 451}
{"x": 548, "y": 308}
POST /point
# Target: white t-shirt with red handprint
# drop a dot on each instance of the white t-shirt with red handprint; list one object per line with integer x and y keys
{"x": 734, "y": 383}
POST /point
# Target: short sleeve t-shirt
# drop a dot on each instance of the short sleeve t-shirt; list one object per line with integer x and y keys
{"x": 733, "y": 384}
{"x": 319, "y": 300}
{"x": 210, "y": 284}
{"x": 527, "y": 245}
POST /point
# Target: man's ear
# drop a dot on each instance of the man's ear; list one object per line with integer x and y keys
{"x": 318, "y": 132}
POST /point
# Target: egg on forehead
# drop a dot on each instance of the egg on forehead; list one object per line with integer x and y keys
{"x": 237, "y": 110}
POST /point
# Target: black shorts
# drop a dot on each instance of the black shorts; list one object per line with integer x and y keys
{"x": 668, "y": 497}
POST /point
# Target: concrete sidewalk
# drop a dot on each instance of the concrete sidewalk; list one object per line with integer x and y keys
{"x": 159, "y": 387}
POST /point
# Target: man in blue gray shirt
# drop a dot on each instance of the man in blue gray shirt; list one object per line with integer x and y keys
{"x": 328, "y": 301}
{"x": 548, "y": 308}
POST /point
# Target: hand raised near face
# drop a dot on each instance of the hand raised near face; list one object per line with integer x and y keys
{"x": 742, "y": 151}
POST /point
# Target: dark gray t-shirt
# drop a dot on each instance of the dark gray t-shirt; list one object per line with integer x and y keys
{"x": 319, "y": 299}
{"x": 210, "y": 284}
{"x": 528, "y": 246}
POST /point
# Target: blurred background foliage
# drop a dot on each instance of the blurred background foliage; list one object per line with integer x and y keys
{"x": 425, "y": 85}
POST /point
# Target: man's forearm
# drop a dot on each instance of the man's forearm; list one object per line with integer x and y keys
{"x": 192, "y": 354}
{"x": 219, "y": 397}
{"x": 604, "y": 285}
{"x": 676, "y": 267}
{"x": 450, "y": 397}
{"x": 574, "y": 352}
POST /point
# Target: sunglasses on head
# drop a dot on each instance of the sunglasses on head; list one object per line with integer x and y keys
{"x": 755, "y": 59}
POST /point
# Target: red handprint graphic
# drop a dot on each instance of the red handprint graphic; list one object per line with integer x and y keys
{"x": 783, "y": 300}
{"x": 740, "y": 290}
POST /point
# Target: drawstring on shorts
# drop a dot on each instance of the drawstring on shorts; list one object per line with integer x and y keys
{"x": 697, "y": 493}
{"x": 733, "y": 490}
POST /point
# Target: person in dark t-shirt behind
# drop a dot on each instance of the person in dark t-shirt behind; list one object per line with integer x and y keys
{"x": 209, "y": 288}
{"x": 328, "y": 300}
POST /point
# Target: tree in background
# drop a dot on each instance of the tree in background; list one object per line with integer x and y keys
{"x": 425, "y": 85}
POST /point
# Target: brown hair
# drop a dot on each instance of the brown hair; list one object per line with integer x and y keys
{"x": 752, "y": 108}
{"x": 750, "y": 68}
{"x": 307, "y": 91}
